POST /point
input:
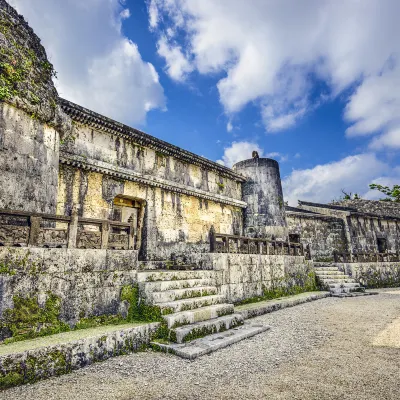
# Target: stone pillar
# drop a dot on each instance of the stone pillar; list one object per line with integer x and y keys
{"x": 262, "y": 191}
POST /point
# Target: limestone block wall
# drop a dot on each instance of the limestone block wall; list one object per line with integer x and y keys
{"x": 107, "y": 150}
{"x": 174, "y": 223}
{"x": 373, "y": 274}
{"x": 365, "y": 232}
{"x": 88, "y": 282}
{"x": 28, "y": 162}
{"x": 244, "y": 276}
{"x": 323, "y": 234}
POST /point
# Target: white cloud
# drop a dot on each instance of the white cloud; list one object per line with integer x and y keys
{"x": 177, "y": 65}
{"x": 98, "y": 67}
{"x": 324, "y": 182}
{"x": 273, "y": 52}
{"x": 229, "y": 126}
{"x": 239, "y": 151}
{"x": 390, "y": 139}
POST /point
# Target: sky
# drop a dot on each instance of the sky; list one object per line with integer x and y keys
{"x": 314, "y": 84}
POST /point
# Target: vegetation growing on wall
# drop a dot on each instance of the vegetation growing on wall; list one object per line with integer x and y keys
{"x": 287, "y": 285}
{"x": 375, "y": 277}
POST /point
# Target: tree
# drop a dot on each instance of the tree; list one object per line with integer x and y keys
{"x": 392, "y": 193}
{"x": 349, "y": 196}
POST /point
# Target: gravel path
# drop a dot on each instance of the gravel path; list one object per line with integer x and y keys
{"x": 318, "y": 350}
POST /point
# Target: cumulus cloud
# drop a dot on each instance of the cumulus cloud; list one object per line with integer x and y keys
{"x": 98, "y": 67}
{"x": 323, "y": 183}
{"x": 275, "y": 54}
{"x": 177, "y": 65}
{"x": 239, "y": 151}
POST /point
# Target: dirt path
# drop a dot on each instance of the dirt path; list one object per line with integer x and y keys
{"x": 318, "y": 350}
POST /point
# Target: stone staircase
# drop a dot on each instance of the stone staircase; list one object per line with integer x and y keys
{"x": 331, "y": 278}
{"x": 192, "y": 309}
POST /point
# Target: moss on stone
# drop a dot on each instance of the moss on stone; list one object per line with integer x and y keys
{"x": 28, "y": 320}
{"x": 11, "y": 379}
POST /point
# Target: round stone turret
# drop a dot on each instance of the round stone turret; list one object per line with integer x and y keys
{"x": 262, "y": 191}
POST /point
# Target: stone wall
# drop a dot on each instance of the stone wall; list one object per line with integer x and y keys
{"x": 382, "y": 208}
{"x": 373, "y": 274}
{"x": 244, "y": 276}
{"x": 88, "y": 282}
{"x": 323, "y": 234}
{"x": 174, "y": 223}
{"x": 28, "y": 162}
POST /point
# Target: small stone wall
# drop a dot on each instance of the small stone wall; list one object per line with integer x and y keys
{"x": 68, "y": 354}
{"x": 87, "y": 282}
{"x": 373, "y": 274}
{"x": 244, "y": 276}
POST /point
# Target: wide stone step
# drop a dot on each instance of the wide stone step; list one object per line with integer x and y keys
{"x": 200, "y": 329}
{"x": 322, "y": 268}
{"x": 190, "y": 304}
{"x": 180, "y": 294}
{"x": 347, "y": 284}
{"x": 199, "y": 314}
{"x": 338, "y": 281}
{"x": 337, "y": 277}
{"x": 211, "y": 343}
{"x": 172, "y": 275}
{"x": 330, "y": 272}
{"x": 161, "y": 286}
{"x": 348, "y": 290}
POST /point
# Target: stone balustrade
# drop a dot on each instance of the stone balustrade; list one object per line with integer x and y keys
{"x": 221, "y": 243}
{"x": 20, "y": 229}
{"x": 347, "y": 257}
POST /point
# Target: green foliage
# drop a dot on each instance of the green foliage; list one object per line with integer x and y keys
{"x": 350, "y": 196}
{"x": 11, "y": 379}
{"x": 392, "y": 193}
{"x": 138, "y": 309}
{"x": 28, "y": 320}
{"x": 374, "y": 277}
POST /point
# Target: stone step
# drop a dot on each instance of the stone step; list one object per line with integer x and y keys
{"x": 334, "y": 276}
{"x": 331, "y": 272}
{"x": 200, "y": 329}
{"x": 161, "y": 286}
{"x": 211, "y": 343}
{"x": 348, "y": 290}
{"x": 322, "y": 268}
{"x": 190, "y": 304}
{"x": 180, "y": 294}
{"x": 347, "y": 284}
{"x": 338, "y": 281}
{"x": 172, "y": 275}
{"x": 199, "y": 314}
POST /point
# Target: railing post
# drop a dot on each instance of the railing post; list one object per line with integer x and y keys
{"x": 34, "y": 230}
{"x": 105, "y": 232}
{"x": 267, "y": 246}
{"x": 73, "y": 229}
{"x": 212, "y": 239}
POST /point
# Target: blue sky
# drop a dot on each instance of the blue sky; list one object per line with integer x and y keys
{"x": 314, "y": 84}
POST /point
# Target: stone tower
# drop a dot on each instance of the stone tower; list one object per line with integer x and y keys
{"x": 262, "y": 191}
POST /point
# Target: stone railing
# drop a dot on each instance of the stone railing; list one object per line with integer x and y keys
{"x": 221, "y": 243}
{"x": 346, "y": 257}
{"x": 19, "y": 229}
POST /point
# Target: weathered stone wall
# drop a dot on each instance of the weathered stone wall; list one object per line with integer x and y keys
{"x": 373, "y": 274}
{"x": 28, "y": 162}
{"x": 29, "y": 114}
{"x": 323, "y": 234}
{"x": 244, "y": 276}
{"x": 382, "y": 208}
{"x": 264, "y": 215}
{"x": 365, "y": 232}
{"x": 107, "y": 150}
{"x": 88, "y": 282}
{"x": 174, "y": 224}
